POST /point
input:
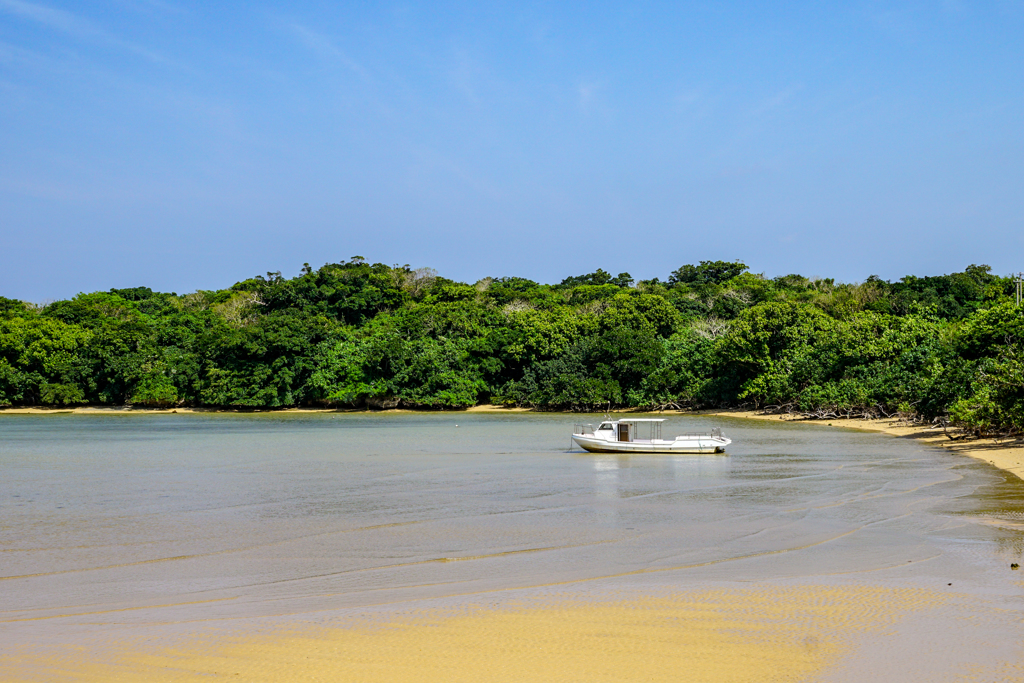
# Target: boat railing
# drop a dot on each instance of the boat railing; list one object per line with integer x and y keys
{"x": 588, "y": 430}
{"x": 714, "y": 434}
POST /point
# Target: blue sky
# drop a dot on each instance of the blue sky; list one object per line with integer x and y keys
{"x": 189, "y": 145}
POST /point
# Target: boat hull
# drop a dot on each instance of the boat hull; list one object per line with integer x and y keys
{"x": 695, "y": 446}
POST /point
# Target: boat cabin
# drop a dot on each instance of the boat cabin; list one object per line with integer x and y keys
{"x": 638, "y": 429}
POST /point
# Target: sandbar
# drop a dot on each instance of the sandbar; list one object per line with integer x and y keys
{"x": 760, "y": 633}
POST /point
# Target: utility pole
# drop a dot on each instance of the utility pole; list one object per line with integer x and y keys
{"x": 1019, "y": 286}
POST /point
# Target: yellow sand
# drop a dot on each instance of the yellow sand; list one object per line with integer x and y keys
{"x": 763, "y": 634}
{"x": 128, "y": 410}
{"x": 1006, "y": 454}
{"x": 497, "y": 409}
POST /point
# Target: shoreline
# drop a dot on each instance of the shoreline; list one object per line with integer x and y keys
{"x": 1005, "y": 454}
{"x": 129, "y": 410}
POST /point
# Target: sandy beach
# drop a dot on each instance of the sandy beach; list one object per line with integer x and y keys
{"x": 1006, "y": 454}
{"x": 128, "y": 410}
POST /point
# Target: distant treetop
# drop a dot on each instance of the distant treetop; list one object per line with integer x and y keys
{"x": 598, "y": 277}
{"x": 515, "y": 284}
{"x": 707, "y": 273}
{"x": 134, "y": 293}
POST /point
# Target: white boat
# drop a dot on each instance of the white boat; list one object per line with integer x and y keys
{"x": 620, "y": 436}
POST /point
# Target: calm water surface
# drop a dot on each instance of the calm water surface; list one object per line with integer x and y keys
{"x": 185, "y": 518}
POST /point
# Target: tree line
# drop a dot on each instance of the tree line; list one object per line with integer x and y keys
{"x": 356, "y": 334}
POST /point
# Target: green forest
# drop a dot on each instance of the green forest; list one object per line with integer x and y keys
{"x": 356, "y": 334}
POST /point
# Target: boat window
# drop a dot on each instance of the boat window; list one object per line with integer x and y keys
{"x": 604, "y": 425}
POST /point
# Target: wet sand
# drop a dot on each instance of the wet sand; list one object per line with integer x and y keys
{"x": 765, "y": 633}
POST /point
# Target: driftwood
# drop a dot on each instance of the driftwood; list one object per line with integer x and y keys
{"x": 382, "y": 402}
{"x": 876, "y": 412}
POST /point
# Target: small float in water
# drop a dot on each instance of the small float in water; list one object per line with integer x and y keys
{"x": 621, "y": 436}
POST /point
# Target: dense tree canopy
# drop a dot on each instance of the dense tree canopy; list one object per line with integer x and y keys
{"x": 357, "y": 334}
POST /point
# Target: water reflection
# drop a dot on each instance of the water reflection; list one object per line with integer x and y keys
{"x": 606, "y": 488}
{"x": 689, "y": 467}
{"x": 280, "y": 514}
{"x": 998, "y": 504}
{"x": 606, "y": 470}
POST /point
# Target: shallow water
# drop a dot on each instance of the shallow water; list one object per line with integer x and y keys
{"x": 130, "y": 521}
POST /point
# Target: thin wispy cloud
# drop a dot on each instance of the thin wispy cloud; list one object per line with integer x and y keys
{"x": 587, "y": 93}
{"x": 158, "y": 5}
{"x": 10, "y": 54}
{"x": 326, "y": 49}
{"x": 432, "y": 165}
{"x": 69, "y": 24}
{"x": 56, "y": 19}
{"x": 679, "y": 119}
{"x": 776, "y": 101}
{"x": 315, "y": 42}
{"x": 896, "y": 23}
{"x": 691, "y": 104}
{"x": 686, "y": 99}
{"x": 465, "y": 75}
{"x": 25, "y": 63}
